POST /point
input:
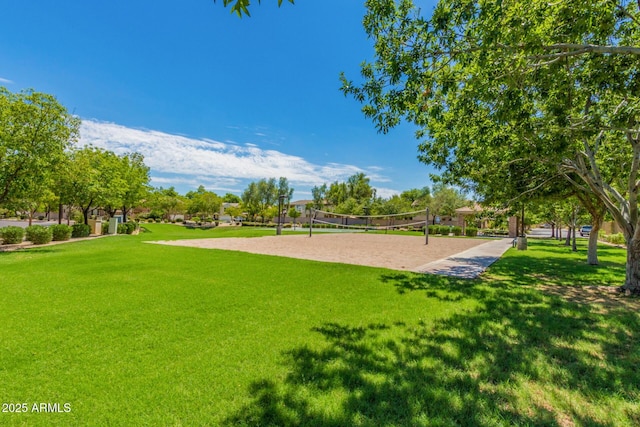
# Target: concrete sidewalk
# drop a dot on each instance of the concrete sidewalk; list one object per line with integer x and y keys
{"x": 470, "y": 263}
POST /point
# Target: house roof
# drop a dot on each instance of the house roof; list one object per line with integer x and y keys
{"x": 467, "y": 210}
{"x": 301, "y": 202}
{"x": 470, "y": 209}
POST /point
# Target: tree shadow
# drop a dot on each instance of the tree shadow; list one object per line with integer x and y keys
{"x": 520, "y": 358}
{"x": 27, "y": 249}
{"x": 553, "y": 263}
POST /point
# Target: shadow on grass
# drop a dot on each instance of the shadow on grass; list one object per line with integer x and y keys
{"x": 552, "y": 263}
{"x": 520, "y": 358}
{"x": 27, "y": 249}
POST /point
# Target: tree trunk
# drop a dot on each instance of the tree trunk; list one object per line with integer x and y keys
{"x": 574, "y": 248}
{"x": 60, "y": 212}
{"x": 592, "y": 253}
{"x": 124, "y": 214}
{"x": 632, "y": 281}
{"x": 553, "y": 231}
{"x": 567, "y": 240}
{"x": 85, "y": 214}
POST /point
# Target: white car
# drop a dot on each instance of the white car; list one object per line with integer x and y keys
{"x": 585, "y": 230}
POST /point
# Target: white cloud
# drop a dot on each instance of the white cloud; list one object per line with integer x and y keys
{"x": 7, "y": 81}
{"x": 212, "y": 163}
{"x": 385, "y": 193}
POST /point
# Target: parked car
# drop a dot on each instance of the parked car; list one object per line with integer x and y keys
{"x": 585, "y": 230}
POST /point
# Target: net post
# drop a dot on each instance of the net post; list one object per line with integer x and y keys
{"x": 311, "y": 218}
{"x": 426, "y": 228}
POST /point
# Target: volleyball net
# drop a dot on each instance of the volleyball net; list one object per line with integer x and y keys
{"x": 346, "y": 222}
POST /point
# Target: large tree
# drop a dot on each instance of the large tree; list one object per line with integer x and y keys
{"x": 203, "y": 203}
{"x": 135, "y": 175}
{"x": 35, "y": 131}
{"x": 446, "y": 200}
{"x": 91, "y": 179}
{"x": 528, "y": 90}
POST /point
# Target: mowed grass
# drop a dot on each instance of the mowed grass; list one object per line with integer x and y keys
{"x": 130, "y": 333}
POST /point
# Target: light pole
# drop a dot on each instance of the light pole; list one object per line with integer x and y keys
{"x": 366, "y": 219}
{"x": 280, "y": 203}
{"x": 426, "y": 228}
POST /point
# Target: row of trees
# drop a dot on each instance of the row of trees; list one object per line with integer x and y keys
{"x": 356, "y": 196}
{"x": 41, "y": 169}
{"x": 166, "y": 203}
{"x": 261, "y": 199}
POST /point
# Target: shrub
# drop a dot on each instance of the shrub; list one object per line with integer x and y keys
{"x": 41, "y": 217}
{"x": 38, "y": 234}
{"x": 80, "y": 230}
{"x": 196, "y": 219}
{"x": 105, "y": 227}
{"x": 60, "y": 232}
{"x": 130, "y": 227}
{"x": 11, "y": 235}
{"x": 471, "y": 232}
{"x": 434, "y": 229}
{"x": 457, "y": 231}
{"x": 179, "y": 220}
{"x": 122, "y": 229}
{"x": 616, "y": 239}
{"x": 77, "y": 216}
{"x": 445, "y": 230}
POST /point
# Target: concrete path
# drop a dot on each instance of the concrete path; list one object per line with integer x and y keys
{"x": 470, "y": 263}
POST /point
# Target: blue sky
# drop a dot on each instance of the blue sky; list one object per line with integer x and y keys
{"x": 207, "y": 97}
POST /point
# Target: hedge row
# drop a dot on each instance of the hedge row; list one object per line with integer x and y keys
{"x": 40, "y": 235}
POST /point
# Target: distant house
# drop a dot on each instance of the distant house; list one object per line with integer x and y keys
{"x": 301, "y": 206}
{"x": 223, "y": 215}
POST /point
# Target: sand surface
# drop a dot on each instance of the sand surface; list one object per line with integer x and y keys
{"x": 374, "y": 250}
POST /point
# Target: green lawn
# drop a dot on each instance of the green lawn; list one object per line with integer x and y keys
{"x": 129, "y": 333}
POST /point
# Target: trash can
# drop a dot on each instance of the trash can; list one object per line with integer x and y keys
{"x": 113, "y": 225}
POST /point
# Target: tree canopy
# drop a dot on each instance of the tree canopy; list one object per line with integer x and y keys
{"x": 35, "y": 132}
{"x": 511, "y": 97}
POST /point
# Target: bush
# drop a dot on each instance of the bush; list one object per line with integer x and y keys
{"x": 196, "y": 219}
{"x": 179, "y": 220}
{"x": 130, "y": 227}
{"x": 80, "y": 230}
{"x": 434, "y": 229}
{"x": 471, "y": 232}
{"x": 77, "y": 216}
{"x": 457, "y": 231}
{"x": 105, "y": 227}
{"x": 38, "y": 234}
{"x": 616, "y": 239}
{"x": 122, "y": 229}
{"x": 60, "y": 232}
{"x": 445, "y": 230}
{"x": 11, "y": 235}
